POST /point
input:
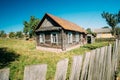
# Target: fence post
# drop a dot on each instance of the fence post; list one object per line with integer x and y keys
{"x": 61, "y": 70}
{"x": 76, "y": 67}
{"x": 4, "y": 74}
{"x": 35, "y": 72}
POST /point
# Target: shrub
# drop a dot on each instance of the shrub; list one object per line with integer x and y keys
{"x": 104, "y": 39}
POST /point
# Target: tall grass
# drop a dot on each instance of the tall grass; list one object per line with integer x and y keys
{"x": 28, "y": 55}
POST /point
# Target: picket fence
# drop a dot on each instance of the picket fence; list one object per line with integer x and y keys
{"x": 99, "y": 64}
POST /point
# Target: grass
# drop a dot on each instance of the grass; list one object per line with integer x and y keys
{"x": 16, "y": 54}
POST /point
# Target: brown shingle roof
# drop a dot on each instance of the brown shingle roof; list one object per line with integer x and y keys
{"x": 66, "y": 24}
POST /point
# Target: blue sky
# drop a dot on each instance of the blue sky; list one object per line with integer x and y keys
{"x": 85, "y": 13}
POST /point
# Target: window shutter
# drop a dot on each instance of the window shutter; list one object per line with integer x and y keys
{"x": 70, "y": 37}
{"x": 40, "y": 37}
{"x": 43, "y": 38}
{"x": 56, "y": 38}
{"x": 51, "y": 38}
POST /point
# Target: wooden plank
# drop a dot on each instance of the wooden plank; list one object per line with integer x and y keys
{"x": 35, "y": 72}
{"x": 104, "y": 73}
{"x": 101, "y": 63}
{"x": 91, "y": 66}
{"x": 76, "y": 67}
{"x": 4, "y": 74}
{"x": 115, "y": 55}
{"x": 97, "y": 60}
{"x": 61, "y": 70}
{"x": 109, "y": 64}
{"x": 84, "y": 72}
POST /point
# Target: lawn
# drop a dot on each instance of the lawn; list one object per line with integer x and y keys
{"x": 16, "y": 54}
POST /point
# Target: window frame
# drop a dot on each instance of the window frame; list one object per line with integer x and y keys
{"x": 54, "y": 39}
{"x": 77, "y": 37}
{"x": 42, "y": 38}
{"x": 70, "y": 37}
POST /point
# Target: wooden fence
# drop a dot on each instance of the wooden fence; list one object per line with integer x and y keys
{"x": 99, "y": 64}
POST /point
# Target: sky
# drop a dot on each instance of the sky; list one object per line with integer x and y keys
{"x": 85, "y": 13}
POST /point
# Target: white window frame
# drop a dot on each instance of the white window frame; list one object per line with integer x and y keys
{"x": 77, "y": 37}
{"x": 54, "y": 39}
{"x": 70, "y": 39}
{"x": 42, "y": 38}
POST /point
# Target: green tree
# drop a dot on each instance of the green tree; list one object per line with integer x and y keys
{"x": 3, "y": 34}
{"x": 30, "y": 26}
{"x": 105, "y": 27}
{"x": 12, "y": 35}
{"x": 112, "y": 20}
{"x": 19, "y": 34}
{"x": 89, "y": 30}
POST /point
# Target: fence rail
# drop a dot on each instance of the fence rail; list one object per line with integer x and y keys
{"x": 99, "y": 64}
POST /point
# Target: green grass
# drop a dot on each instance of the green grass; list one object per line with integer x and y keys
{"x": 16, "y": 54}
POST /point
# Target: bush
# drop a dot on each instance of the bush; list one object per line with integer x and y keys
{"x": 95, "y": 45}
{"x": 12, "y": 35}
{"x": 104, "y": 39}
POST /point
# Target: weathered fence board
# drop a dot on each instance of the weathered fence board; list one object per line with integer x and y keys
{"x": 35, "y": 72}
{"x": 61, "y": 70}
{"x": 109, "y": 63}
{"x": 96, "y": 65}
{"x": 76, "y": 67}
{"x": 4, "y": 74}
{"x": 91, "y": 64}
{"x": 101, "y": 63}
{"x": 84, "y": 72}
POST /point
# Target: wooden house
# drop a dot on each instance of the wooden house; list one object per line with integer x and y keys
{"x": 103, "y": 33}
{"x": 54, "y": 32}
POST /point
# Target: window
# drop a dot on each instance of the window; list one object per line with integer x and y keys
{"x": 54, "y": 38}
{"x": 42, "y": 38}
{"x": 69, "y": 37}
{"x": 77, "y": 37}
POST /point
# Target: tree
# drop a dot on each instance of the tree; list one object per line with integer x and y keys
{"x": 112, "y": 20}
{"x": 19, "y": 34}
{"x": 29, "y": 27}
{"x": 12, "y": 35}
{"x": 105, "y": 27}
{"x": 3, "y": 34}
{"x": 89, "y": 30}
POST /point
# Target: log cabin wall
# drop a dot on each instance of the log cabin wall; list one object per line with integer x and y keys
{"x": 74, "y": 42}
{"x": 47, "y": 42}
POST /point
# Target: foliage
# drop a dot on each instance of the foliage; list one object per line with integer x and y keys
{"x": 104, "y": 39}
{"x": 112, "y": 20}
{"x": 105, "y": 27}
{"x": 28, "y": 55}
{"x": 3, "y": 34}
{"x": 19, "y": 34}
{"x": 89, "y": 30}
{"x": 12, "y": 34}
{"x": 30, "y": 26}
{"x": 95, "y": 45}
